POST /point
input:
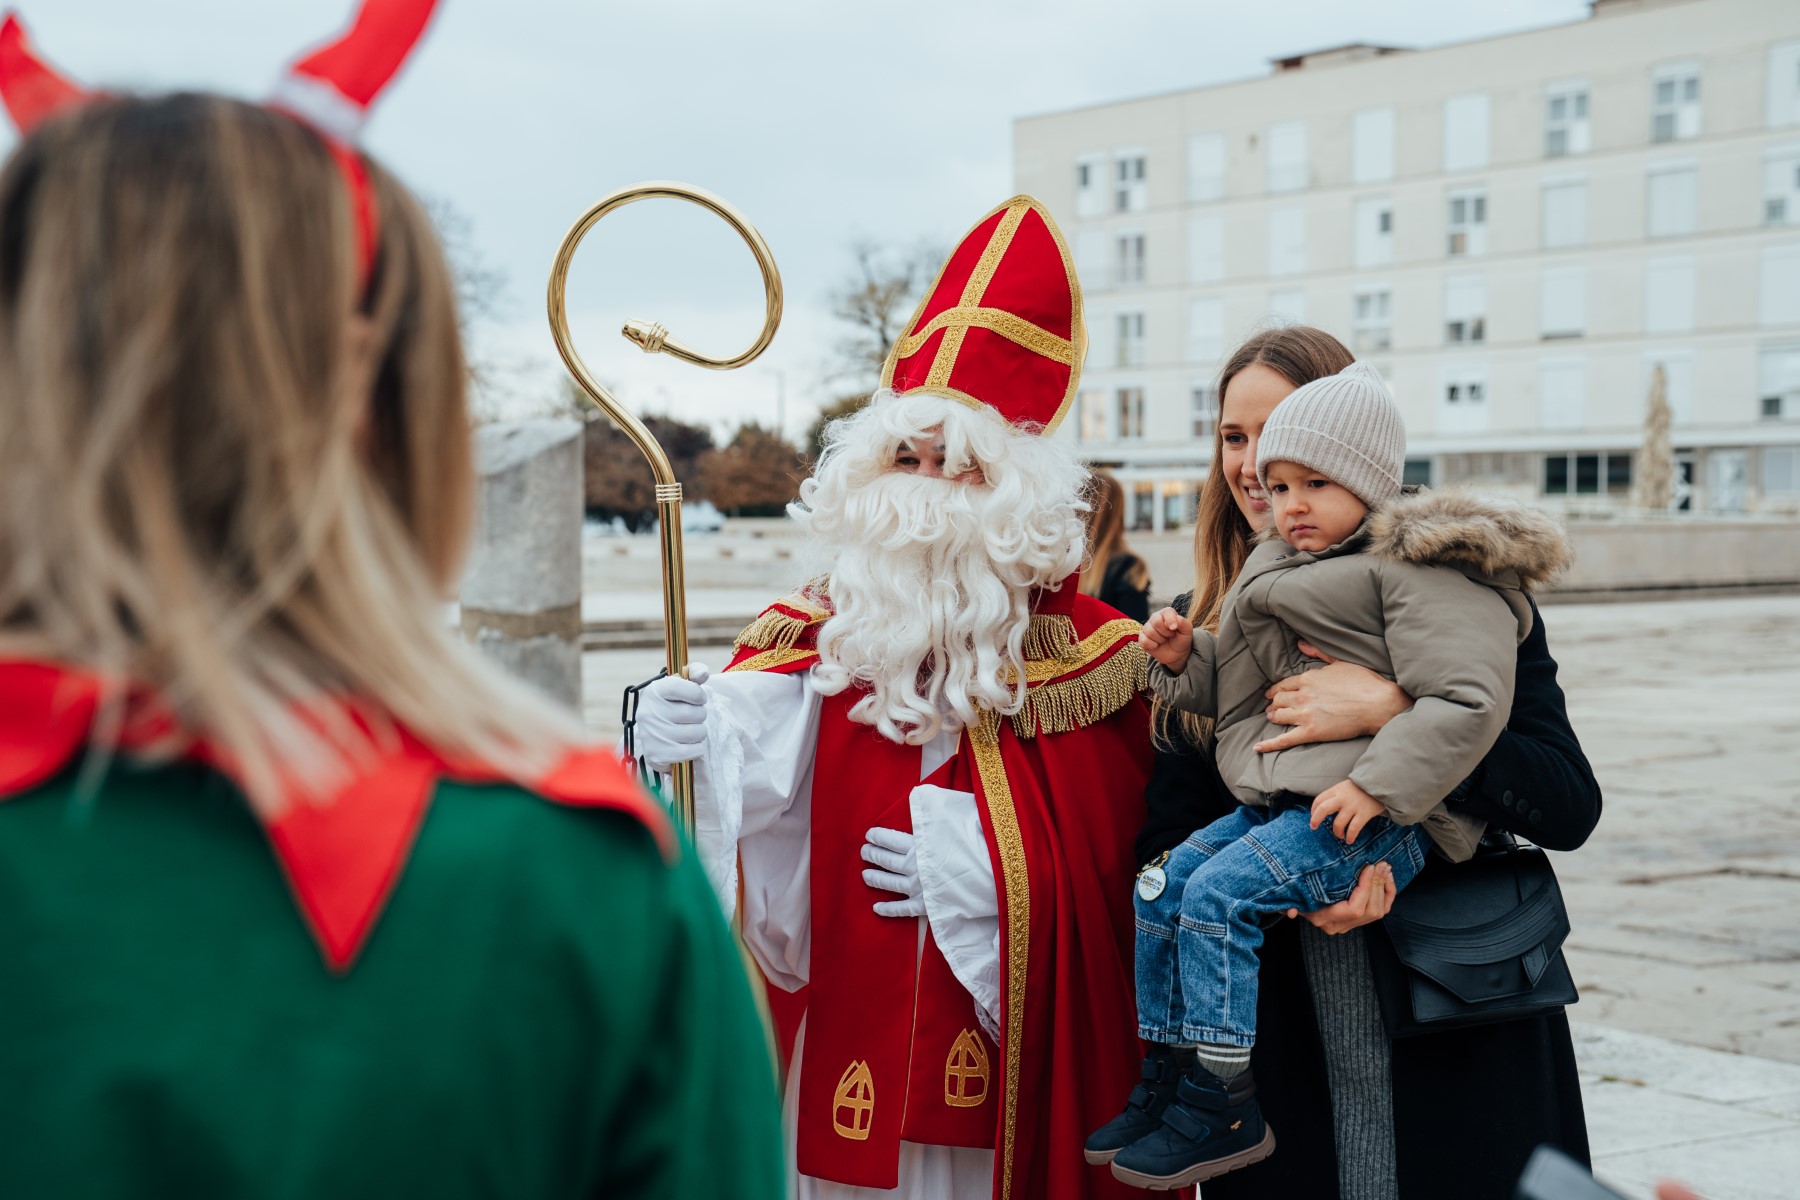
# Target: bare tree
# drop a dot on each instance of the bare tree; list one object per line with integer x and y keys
{"x": 875, "y": 301}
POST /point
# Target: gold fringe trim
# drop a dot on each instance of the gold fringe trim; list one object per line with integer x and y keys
{"x": 1051, "y": 638}
{"x": 1087, "y": 698}
{"x": 778, "y": 630}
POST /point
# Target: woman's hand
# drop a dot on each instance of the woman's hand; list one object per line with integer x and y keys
{"x": 1367, "y": 903}
{"x": 1335, "y": 703}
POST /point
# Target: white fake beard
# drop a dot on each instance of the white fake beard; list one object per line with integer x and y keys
{"x": 931, "y": 582}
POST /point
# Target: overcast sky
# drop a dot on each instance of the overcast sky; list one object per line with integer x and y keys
{"x": 822, "y": 121}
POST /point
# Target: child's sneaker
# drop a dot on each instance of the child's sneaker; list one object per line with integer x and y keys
{"x": 1162, "y": 1071}
{"x": 1211, "y": 1128}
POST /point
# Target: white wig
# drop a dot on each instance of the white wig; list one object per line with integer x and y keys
{"x": 931, "y": 579}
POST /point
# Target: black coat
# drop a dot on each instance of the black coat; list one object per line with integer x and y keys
{"x": 1470, "y": 1104}
{"x": 1116, "y": 589}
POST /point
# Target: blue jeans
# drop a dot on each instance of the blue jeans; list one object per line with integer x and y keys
{"x": 1197, "y": 941}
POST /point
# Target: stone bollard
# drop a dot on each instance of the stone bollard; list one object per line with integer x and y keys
{"x": 521, "y": 595}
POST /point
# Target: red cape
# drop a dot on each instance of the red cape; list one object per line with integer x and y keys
{"x": 341, "y": 854}
{"x": 1061, "y": 787}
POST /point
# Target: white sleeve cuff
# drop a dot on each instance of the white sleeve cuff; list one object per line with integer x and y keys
{"x": 961, "y": 902}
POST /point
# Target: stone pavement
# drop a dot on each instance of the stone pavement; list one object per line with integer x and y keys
{"x": 1686, "y": 901}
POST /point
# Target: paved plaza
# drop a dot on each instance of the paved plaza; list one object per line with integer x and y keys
{"x": 1685, "y": 903}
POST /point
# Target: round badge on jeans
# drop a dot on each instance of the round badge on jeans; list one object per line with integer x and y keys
{"x": 1151, "y": 882}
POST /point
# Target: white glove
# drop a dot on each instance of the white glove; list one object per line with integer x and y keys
{"x": 891, "y": 850}
{"x": 671, "y": 719}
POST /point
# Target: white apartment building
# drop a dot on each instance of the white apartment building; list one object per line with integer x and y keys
{"x": 1516, "y": 231}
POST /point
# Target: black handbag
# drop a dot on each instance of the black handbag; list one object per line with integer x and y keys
{"x": 1473, "y": 943}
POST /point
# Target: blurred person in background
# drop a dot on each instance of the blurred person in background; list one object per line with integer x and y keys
{"x": 302, "y": 898}
{"x": 1114, "y": 575}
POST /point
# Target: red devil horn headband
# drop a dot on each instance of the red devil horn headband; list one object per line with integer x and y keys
{"x": 31, "y": 89}
{"x": 330, "y": 89}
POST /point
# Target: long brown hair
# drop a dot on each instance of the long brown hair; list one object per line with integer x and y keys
{"x": 1106, "y": 536}
{"x": 1299, "y": 354}
{"x": 230, "y": 472}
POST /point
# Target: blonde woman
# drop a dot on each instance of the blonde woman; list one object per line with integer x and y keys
{"x": 1114, "y": 575}
{"x": 301, "y": 899}
{"x": 1361, "y": 1118}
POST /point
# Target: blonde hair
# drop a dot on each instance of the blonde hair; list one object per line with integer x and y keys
{"x": 1106, "y": 537}
{"x": 232, "y": 475}
{"x": 1299, "y": 354}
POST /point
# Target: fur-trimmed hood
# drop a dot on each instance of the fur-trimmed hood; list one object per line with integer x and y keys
{"x": 1489, "y": 536}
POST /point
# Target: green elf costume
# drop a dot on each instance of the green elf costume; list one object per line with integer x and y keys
{"x": 437, "y": 983}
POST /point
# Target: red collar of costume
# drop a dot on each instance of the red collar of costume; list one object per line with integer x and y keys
{"x": 342, "y": 855}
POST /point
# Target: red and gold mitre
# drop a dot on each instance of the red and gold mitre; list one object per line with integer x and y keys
{"x": 1002, "y": 326}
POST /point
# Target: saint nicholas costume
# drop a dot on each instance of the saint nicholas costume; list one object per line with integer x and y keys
{"x": 965, "y": 1053}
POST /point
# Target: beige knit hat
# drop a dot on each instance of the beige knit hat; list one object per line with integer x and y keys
{"x": 1344, "y": 426}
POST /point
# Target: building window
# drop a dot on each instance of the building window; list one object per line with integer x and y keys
{"x": 1780, "y": 471}
{"x": 1462, "y": 398}
{"x": 1587, "y": 474}
{"x": 1416, "y": 473}
{"x": 1565, "y": 213}
{"x": 1143, "y": 505}
{"x": 1131, "y": 193}
{"x": 1130, "y": 258}
{"x": 1669, "y": 295}
{"x": 1781, "y": 185}
{"x": 1372, "y": 324}
{"x": 1206, "y": 167}
{"x": 1131, "y": 412}
{"x": 1372, "y": 146}
{"x": 1673, "y": 201}
{"x": 1090, "y": 186}
{"x": 1203, "y": 410}
{"x": 1206, "y": 329}
{"x": 1287, "y": 156}
{"x": 1465, "y": 391}
{"x": 1780, "y": 301}
{"x": 1091, "y": 262}
{"x": 1562, "y": 393}
{"x": 1783, "y": 77}
{"x": 1374, "y": 217}
{"x": 1566, "y": 129}
{"x": 1092, "y": 404}
{"x": 1468, "y": 224}
{"x": 1465, "y": 310}
{"x": 1562, "y": 302}
{"x": 1131, "y": 339}
{"x": 1288, "y": 307}
{"x": 1287, "y": 240}
{"x": 1466, "y": 132}
{"x": 1779, "y": 370}
{"x": 1675, "y": 102}
{"x": 1206, "y": 249}
{"x": 1178, "y": 501}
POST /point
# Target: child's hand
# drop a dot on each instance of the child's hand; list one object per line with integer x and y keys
{"x": 1168, "y": 637}
{"x": 1349, "y": 807}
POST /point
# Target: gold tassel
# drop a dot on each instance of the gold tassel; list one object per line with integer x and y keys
{"x": 774, "y": 630}
{"x": 1051, "y": 637}
{"x": 1088, "y": 698}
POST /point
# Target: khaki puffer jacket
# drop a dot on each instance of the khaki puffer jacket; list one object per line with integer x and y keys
{"x": 1430, "y": 592}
